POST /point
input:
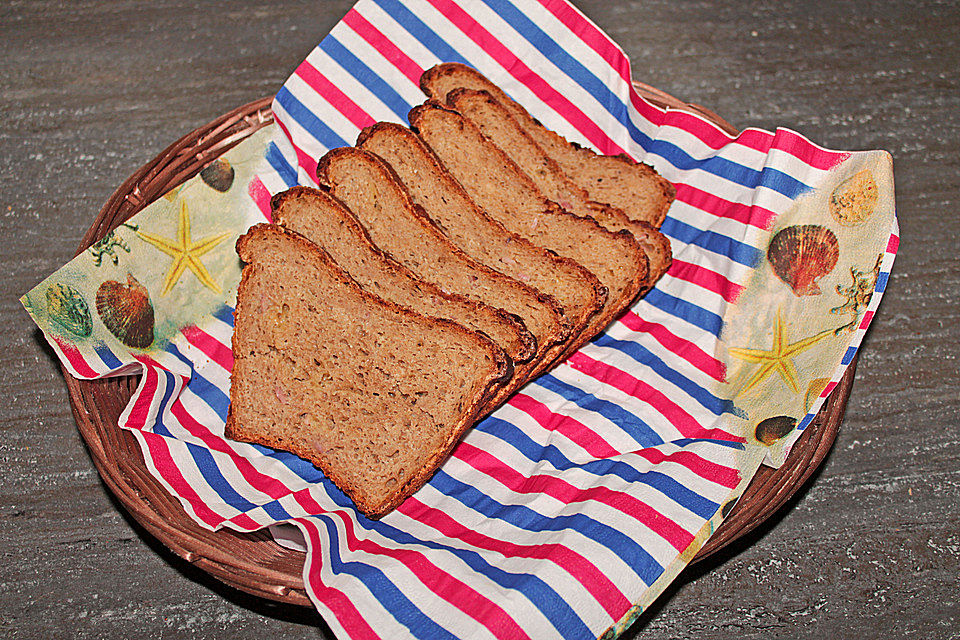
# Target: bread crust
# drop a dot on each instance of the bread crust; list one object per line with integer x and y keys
{"x": 631, "y": 289}
{"x": 439, "y": 80}
{"x": 469, "y": 414}
{"x": 561, "y": 327}
{"x": 527, "y": 343}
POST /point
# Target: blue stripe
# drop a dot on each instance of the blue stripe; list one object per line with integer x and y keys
{"x": 366, "y": 76}
{"x": 306, "y": 118}
{"x": 683, "y": 442}
{"x": 514, "y": 436}
{"x": 713, "y": 241}
{"x": 882, "y": 281}
{"x": 107, "y": 356}
{"x": 848, "y": 356}
{"x": 632, "y": 424}
{"x": 201, "y": 455}
{"x": 383, "y": 589}
{"x": 807, "y": 419}
{"x": 577, "y": 72}
{"x": 224, "y": 314}
{"x": 533, "y": 588}
{"x": 697, "y": 316}
{"x": 287, "y": 173}
{"x": 419, "y": 30}
{"x": 203, "y": 388}
{"x": 642, "y": 355}
{"x": 523, "y": 517}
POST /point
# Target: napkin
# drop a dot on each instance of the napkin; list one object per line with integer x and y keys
{"x": 566, "y": 512}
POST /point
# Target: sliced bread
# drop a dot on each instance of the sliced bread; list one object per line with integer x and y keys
{"x": 497, "y": 123}
{"x": 369, "y": 188}
{"x": 618, "y": 180}
{"x": 504, "y": 191}
{"x": 374, "y": 394}
{"x": 445, "y": 202}
{"x": 323, "y": 219}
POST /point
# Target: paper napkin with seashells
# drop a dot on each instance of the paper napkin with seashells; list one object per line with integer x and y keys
{"x": 166, "y": 268}
{"x": 807, "y": 304}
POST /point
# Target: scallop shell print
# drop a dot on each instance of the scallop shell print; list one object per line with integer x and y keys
{"x": 67, "y": 309}
{"x": 855, "y": 199}
{"x": 218, "y": 175}
{"x": 802, "y": 254}
{"x": 126, "y": 311}
{"x": 772, "y": 429}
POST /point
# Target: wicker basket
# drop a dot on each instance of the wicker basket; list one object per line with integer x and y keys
{"x": 254, "y": 563}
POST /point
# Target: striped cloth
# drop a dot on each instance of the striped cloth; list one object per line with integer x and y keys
{"x": 568, "y": 510}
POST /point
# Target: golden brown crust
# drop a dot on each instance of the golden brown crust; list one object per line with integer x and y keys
{"x": 560, "y": 328}
{"x": 438, "y": 81}
{"x": 623, "y": 239}
{"x": 468, "y": 414}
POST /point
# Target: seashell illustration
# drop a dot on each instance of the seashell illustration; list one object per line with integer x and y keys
{"x": 218, "y": 175}
{"x": 67, "y": 309}
{"x": 772, "y": 429}
{"x": 802, "y": 254}
{"x": 126, "y": 311}
{"x": 855, "y": 199}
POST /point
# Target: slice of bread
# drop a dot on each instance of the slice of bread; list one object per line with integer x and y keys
{"x": 633, "y": 187}
{"x": 504, "y": 191}
{"x": 497, "y": 123}
{"x": 445, "y": 202}
{"x": 370, "y": 189}
{"x": 374, "y": 394}
{"x": 323, "y": 219}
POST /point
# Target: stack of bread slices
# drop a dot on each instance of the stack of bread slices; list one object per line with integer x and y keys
{"x": 438, "y": 269}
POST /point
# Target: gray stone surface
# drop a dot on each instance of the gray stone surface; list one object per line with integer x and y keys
{"x": 90, "y": 90}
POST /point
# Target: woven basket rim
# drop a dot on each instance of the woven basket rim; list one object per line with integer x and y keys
{"x": 253, "y": 562}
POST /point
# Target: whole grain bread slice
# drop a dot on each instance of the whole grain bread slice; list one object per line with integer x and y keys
{"x": 633, "y": 187}
{"x": 448, "y": 206}
{"x": 370, "y": 189}
{"x": 374, "y": 394}
{"x": 502, "y": 189}
{"x": 497, "y": 123}
{"x": 326, "y": 221}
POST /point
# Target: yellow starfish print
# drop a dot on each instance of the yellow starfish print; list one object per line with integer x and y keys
{"x": 778, "y": 357}
{"x": 185, "y": 253}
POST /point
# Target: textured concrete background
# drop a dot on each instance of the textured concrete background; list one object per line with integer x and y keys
{"x": 91, "y": 90}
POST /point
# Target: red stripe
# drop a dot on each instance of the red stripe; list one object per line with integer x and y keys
{"x": 140, "y": 411}
{"x": 245, "y": 522}
{"x": 524, "y": 74}
{"x": 706, "y": 278}
{"x": 159, "y": 452}
{"x": 447, "y": 587}
{"x": 573, "y": 429}
{"x": 826, "y": 390}
{"x": 893, "y": 243}
{"x": 567, "y": 493}
{"x": 210, "y": 346}
{"x": 590, "y": 34}
{"x": 261, "y": 196}
{"x": 708, "y": 470}
{"x": 329, "y": 92}
{"x": 867, "y": 317}
{"x": 307, "y": 163}
{"x": 261, "y": 482}
{"x": 385, "y": 46}
{"x": 593, "y": 580}
{"x": 676, "y": 345}
{"x": 331, "y": 597}
{"x": 632, "y": 386}
{"x": 75, "y": 359}
{"x": 752, "y": 215}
